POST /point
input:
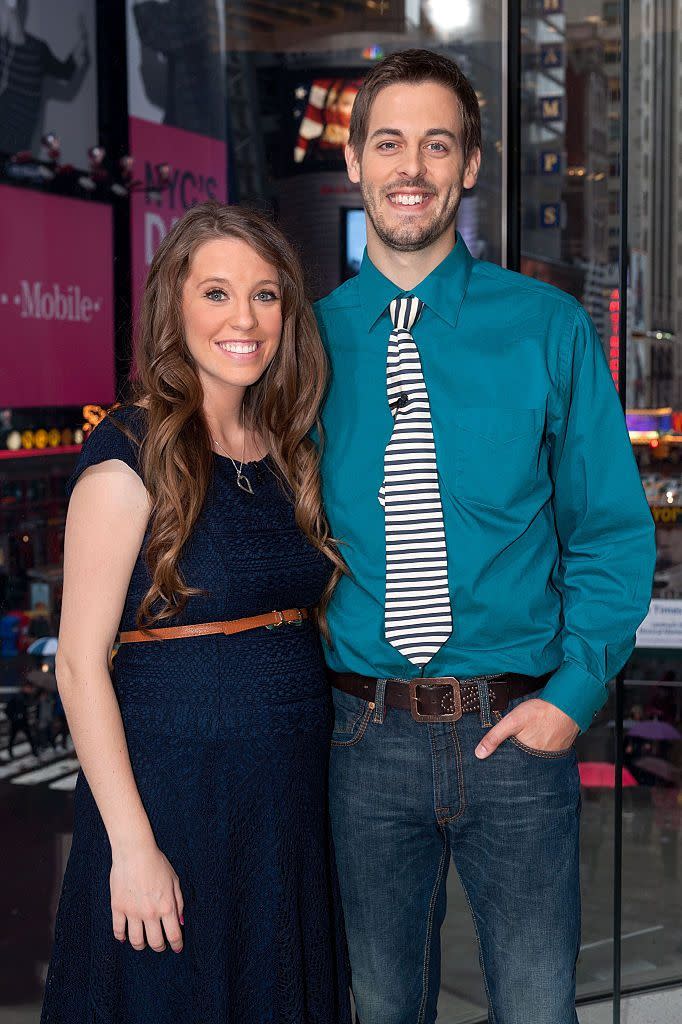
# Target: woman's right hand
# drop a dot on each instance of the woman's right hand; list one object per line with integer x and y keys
{"x": 146, "y": 895}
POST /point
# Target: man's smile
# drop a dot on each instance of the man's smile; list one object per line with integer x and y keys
{"x": 408, "y": 199}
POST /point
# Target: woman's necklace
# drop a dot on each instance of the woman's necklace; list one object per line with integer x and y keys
{"x": 242, "y": 479}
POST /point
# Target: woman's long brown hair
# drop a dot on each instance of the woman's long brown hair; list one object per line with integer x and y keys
{"x": 281, "y": 407}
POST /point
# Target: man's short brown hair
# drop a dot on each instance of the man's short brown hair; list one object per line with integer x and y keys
{"x": 414, "y": 67}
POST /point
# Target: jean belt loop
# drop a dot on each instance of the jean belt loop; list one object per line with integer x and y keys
{"x": 484, "y": 701}
{"x": 379, "y": 705}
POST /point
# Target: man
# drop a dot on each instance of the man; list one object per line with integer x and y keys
{"x": 18, "y": 711}
{"x": 478, "y": 472}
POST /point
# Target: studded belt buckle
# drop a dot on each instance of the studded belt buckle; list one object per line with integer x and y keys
{"x": 454, "y": 698}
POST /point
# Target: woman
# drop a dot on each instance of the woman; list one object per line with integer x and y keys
{"x": 200, "y": 887}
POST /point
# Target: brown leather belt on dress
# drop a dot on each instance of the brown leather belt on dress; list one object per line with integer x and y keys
{"x": 442, "y": 698}
{"x": 271, "y": 620}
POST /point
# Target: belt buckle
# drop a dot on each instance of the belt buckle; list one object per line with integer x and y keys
{"x": 447, "y": 716}
{"x": 278, "y": 623}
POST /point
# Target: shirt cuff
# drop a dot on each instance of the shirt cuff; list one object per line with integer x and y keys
{"x": 576, "y": 692}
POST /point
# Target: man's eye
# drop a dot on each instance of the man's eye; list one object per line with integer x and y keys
{"x": 441, "y": 147}
{"x": 215, "y": 294}
{"x": 383, "y": 145}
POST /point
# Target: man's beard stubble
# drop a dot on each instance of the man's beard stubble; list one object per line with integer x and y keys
{"x": 411, "y": 237}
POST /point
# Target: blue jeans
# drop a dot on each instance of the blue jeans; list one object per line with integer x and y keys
{"x": 405, "y": 796}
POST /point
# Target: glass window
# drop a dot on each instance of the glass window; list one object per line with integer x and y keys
{"x": 652, "y": 821}
{"x": 572, "y": 252}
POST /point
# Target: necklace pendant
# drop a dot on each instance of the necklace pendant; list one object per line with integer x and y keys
{"x": 244, "y": 483}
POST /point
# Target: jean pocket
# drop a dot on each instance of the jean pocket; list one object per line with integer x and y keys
{"x": 351, "y": 716}
{"x": 549, "y": 755}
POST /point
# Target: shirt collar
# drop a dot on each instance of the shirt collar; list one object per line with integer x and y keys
{"x": 442, "y": 290}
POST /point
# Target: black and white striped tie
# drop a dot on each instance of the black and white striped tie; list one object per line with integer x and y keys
{"x": 418, "y": 616}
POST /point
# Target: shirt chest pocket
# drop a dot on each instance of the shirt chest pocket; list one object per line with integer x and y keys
{"x": 494, "y": 457}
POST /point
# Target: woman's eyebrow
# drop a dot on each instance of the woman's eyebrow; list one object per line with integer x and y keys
{"x": 225, "y": 280}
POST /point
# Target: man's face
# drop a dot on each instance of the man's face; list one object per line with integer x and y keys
{"x": 412, "y": 169}
{"x": 18, "y": 6}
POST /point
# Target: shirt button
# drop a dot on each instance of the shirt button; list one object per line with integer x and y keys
{"x": 403, "y": 400}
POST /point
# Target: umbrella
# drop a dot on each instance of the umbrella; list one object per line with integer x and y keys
{"x": 46, "y": 646}
{"x": 653, "y": 729}
{"x": 657, "y": 766}
{"x": 602, "y": 773}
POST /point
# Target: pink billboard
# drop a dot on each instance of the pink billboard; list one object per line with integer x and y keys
{"x": 198, "y": 171}
{"x": 56, "y": 301}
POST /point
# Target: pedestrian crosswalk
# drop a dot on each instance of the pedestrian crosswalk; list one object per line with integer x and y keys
{"x": 56, "y": 768}
{"x": 68, "y": 782}
{"x": 22, "y": 759}
{"x": 49, "y": 772}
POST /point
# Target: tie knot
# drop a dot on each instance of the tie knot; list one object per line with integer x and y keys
{"x": 405, "y": 312}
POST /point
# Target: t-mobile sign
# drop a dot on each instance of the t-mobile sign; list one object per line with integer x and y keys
{"x": 56, "y": 300}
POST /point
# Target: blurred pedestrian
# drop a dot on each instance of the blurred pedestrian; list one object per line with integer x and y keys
{"x": 45, "y": 719}
{"x": 40, "y": 622}
{"x": 60, "y": 727}
{"x": 18, "y": 712}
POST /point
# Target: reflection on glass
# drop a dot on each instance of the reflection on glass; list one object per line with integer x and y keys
{"x": 652, "y": 821}
{"x": 569, "y": 238}
{"x": 571, "y": 230}
{"x": 597, "y": 776}
{"x": 570, "y": 106}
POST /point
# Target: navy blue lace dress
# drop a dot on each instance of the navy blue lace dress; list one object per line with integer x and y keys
{"x": 228, "y": 740}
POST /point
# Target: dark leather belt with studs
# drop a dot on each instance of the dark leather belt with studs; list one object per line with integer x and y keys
{"x": 442, "y": 698}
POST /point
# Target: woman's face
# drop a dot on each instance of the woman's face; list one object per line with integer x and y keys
{"x": 232, "y": 309}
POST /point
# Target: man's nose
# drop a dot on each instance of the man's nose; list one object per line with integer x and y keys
{"x": 412, "y": 164}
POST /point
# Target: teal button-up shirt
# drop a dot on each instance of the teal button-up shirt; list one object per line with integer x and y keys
{"x": 549, "y": 537}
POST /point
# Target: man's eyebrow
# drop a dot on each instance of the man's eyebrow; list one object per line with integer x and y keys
{"x": 429, "y": 132}
{"x": 386, "y": 131}
{"x": 442, "y": 131}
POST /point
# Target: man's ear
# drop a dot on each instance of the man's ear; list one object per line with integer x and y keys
{"x": 472, "y": 169}
{"x": 352, "y": 164}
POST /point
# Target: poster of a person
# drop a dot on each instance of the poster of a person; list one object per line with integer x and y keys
{"x": 46, "y": 55}
{"x": 324, "y": 125}
{"x": 176, "y": 64}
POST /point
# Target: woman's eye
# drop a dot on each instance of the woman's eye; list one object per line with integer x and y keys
{"x": 266, "y": 296}
{"x": 215, "y": 294}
